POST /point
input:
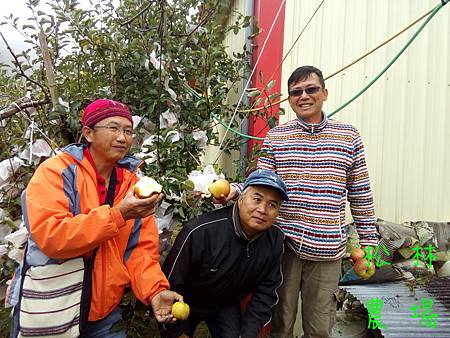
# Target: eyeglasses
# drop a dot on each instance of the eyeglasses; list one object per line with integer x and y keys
{"x": 128, "y": 132}
{"x": 308, "y": 90}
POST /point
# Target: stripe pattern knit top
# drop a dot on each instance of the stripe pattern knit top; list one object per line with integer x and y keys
{"x": 323, "y": 165}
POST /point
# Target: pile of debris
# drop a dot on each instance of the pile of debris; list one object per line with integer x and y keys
{"x": 413, "y": 261}
{"x": 419, "y": 250}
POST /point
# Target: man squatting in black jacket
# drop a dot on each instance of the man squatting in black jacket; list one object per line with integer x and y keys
{"x": 222, "y": 256}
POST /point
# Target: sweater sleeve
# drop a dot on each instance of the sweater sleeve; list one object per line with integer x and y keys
{"x": 267, "y": 158}
{"x": 360, "y": 196}
{"x": 263, "y": 299}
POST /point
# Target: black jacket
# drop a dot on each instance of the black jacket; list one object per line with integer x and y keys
{"x": 212, "y": 263}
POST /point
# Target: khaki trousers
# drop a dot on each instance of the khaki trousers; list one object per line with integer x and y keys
{"x": 318, "y": 284}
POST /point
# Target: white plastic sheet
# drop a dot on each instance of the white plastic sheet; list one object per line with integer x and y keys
{"x": 203, "y": 179}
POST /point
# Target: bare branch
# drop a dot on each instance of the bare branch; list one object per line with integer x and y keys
{"x": 142, "y": 11}
{"x": 15, "y": 107}
{"x": 202, "y": 21}
{"x": 18, "y": 65}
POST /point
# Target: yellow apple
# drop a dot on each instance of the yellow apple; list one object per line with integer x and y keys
{"x": 180, "y": 310}
{"x": 146, "y": 186}
{"x": 219, "y": 188}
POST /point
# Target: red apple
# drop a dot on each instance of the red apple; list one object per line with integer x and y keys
{"x": 364, "y": 270}
{"x": 357, "y": 253}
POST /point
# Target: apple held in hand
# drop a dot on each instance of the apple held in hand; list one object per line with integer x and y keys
{"x": 180, "y": 310}
{"x": 146, "y": 186}
{"x": 364, "y": 270}
{"x": 357, "y": 253}
{"x": 219, "y": 188}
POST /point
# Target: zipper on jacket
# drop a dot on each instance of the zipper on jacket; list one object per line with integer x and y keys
{"x": 102, "y": 288}
{"x": 301, "y": 242}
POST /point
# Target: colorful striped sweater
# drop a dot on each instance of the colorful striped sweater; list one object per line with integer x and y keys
{"x": 322, "y": 165}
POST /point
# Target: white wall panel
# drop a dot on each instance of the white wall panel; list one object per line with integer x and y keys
{"x": 404, "y": 118}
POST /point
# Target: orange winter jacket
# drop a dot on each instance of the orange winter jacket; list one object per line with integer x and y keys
{"x": 66, "y": 220}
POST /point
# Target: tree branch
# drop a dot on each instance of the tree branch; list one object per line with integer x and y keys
{"x": 49, "y": 73}
{"x": 17, "y": 63}
{"x": 15, "y": 107}
{"x": 201, "y": 22}
{"x": 142, "y": 11}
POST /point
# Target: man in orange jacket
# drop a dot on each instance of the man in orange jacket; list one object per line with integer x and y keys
{"x": 80, "y": 204}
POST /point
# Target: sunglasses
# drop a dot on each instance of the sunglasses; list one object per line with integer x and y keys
{"x": 299, "y": 91}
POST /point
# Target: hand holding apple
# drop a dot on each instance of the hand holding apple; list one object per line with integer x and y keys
{"x": 146, "y": 186}
{"x": 162, "y": 305}
{"x": 132, "y": 207}
{"x": 142, "y": 199}
{"x": 220, "y": 188}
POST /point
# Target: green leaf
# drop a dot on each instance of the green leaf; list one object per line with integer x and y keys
{"x": 188, "y": 185}
{"x": 28, "y": 27}
{"x": 254, "y": 93}
{"x": 272, "y": 121}
{"x": 181, "y": 212}
{"x": 274, "y": 96}
{"x": 255, "y": 34}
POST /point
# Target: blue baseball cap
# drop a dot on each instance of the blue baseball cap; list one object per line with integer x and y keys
{"x": 267, "y": 178}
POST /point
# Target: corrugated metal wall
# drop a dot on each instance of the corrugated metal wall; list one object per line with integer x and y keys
{"x": 404, "y": 118}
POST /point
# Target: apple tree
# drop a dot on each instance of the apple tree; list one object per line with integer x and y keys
{"x": 165, "y": 59}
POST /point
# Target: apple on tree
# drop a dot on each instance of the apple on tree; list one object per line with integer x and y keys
{"x": 146, "y": 186}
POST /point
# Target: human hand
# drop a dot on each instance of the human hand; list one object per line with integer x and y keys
{"x": 162, "y": 305}
{"x": 132, "y": 207}
{"x": 233, "y": 194}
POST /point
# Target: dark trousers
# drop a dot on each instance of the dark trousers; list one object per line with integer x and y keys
{"x": 226, "y": 323}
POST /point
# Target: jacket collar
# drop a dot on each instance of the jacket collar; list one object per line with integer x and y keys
{"x": 313, "y": 127}
{"x": 238, "y": 226}
{"x": 76, "y": 151}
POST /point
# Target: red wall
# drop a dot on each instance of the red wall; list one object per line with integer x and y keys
{"x": 265, "y": 12}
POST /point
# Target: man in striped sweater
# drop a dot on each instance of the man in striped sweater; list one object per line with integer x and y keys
{"x": 322, "y": 163}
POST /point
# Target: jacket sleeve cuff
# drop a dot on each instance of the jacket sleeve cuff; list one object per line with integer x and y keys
{"x": 117, "y": 217}
{"x": 372, "y": 243}
{"x": 238, "y": 187}
{"x": 149, "y": 299}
